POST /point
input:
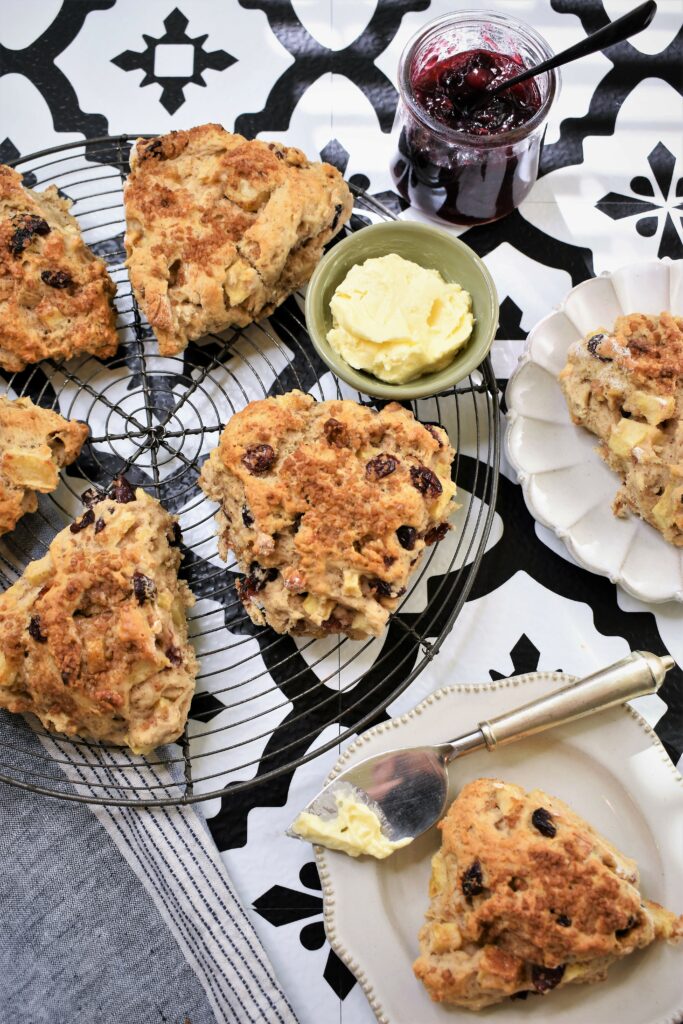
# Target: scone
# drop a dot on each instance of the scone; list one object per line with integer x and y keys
{"x": 626, "y": 386}
{"x": 328, "y": 507}
{"x": 219, "y": 230}
{"x": 525, "y": 898}
{"x": 93, "y": 637}
{"x": 55, "y": 295}
{"x": 34, "y": 444}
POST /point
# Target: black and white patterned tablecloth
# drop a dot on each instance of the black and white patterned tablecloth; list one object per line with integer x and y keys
{"x": 320, "y": 74}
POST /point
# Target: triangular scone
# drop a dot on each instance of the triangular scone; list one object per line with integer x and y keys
{"x": 55, "y": 294}
{"x": 93, "y": 637}
{"x": 526, "y": 897}
{"x": 219, "y": 230}
{"x": 34, "y": 443}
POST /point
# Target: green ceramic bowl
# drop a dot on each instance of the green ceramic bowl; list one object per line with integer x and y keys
{"x": 430, "y": 247}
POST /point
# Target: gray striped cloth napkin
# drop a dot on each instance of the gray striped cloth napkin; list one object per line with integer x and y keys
{"x": 115, "y": 915}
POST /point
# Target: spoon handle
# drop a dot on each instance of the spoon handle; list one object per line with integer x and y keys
{"x": 633, "y": 676}
{"x": 615, "y": 32}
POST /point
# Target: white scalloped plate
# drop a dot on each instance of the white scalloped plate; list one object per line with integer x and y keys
{"x": 566, "y": 485}
{"x": 610, "y": 768}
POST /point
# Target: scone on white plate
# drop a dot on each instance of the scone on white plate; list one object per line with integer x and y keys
{"x": 625, "y": 385}
{"x": 34, "y": 444}
{"x": 220, "y": 230}
{"x": 526, "y": 897}
{"x": 328, "y": 507}
{"x": 93, "y": 637}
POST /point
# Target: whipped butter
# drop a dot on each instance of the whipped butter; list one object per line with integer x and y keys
{"x": 355, "y": 829}
{"x": 398, "y": 320}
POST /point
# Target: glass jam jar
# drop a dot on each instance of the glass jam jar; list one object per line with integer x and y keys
{"x": 457, "y": 161}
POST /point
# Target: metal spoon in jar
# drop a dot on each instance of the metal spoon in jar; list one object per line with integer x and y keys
{"x": 616, "y": 32}
{"x": 407, "y": 789}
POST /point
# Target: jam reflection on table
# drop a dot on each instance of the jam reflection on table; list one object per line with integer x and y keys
{"x": 484, "y": 178}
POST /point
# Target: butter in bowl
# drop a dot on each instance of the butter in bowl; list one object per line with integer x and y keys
{"x": 402, "y": 310}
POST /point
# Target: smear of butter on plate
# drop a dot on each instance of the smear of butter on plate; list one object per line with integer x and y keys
{"x": 398, "y": 320}
{"x": 355, "y": 829}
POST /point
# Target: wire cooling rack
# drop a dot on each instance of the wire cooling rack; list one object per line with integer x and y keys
{"x": 265, "y": 703}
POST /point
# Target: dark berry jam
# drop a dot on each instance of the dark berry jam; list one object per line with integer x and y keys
{"x": 467, "y": 168}
{"x": 449, "y": 89}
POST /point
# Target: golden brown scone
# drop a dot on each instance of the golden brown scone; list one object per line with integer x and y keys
{"x": 34, "y": 443}
{"x": 327, "y": 506}
{"x": 55, "y": 295}
{"x": 219, "y": 230}
{"x": 527, "y": 897}
{"x": 93, "y": 637}
{"x": 626, "y": 386}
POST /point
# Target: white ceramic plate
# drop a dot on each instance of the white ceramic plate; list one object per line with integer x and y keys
{"x": 610, "y": 768}
{"x": 567, "y": 486}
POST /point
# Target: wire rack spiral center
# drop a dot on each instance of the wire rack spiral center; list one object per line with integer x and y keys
{"x": 265, "y": 703}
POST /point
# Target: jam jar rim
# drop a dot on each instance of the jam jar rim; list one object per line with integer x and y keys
{"x": 454, "y": 134}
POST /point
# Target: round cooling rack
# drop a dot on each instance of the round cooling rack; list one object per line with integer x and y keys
{"x": 265, "y": 703}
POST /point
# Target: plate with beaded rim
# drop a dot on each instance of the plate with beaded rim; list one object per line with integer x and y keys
{"x": 611, "y": 769}
{"x": 567, "y": 487}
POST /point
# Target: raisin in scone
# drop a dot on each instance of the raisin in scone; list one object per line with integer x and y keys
{"x": 93, "y": 637}
{"x": 34, "y": 444}
{"x": 55, "y": 294}
{"x": 220, "y": 230}
{"x": 527, "y": 897}
{"x": 626, "y": 386}
{"x": 328, "y": 507}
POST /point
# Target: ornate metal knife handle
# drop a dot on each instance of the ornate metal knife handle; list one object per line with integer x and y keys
{"x": 633, "y": 676}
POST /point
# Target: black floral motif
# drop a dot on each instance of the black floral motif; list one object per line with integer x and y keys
{"x": 8, "y": 151}
{"x": 518, "y": 232}
{"x": 37, "y": 62}
{"x": 172, "y": 87}
{"x": 281, "y": 906}
{"x": 8, "y": 154}
{"x": 524, "y": 656}
{"x": 617, "y": 206}
{"x": 204, "y": 707}
{"x": 630, "y": 67}
{"x": 334, "y": 153}
{"x": 312, "y": 59}
{"x": 510, "y": 321}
